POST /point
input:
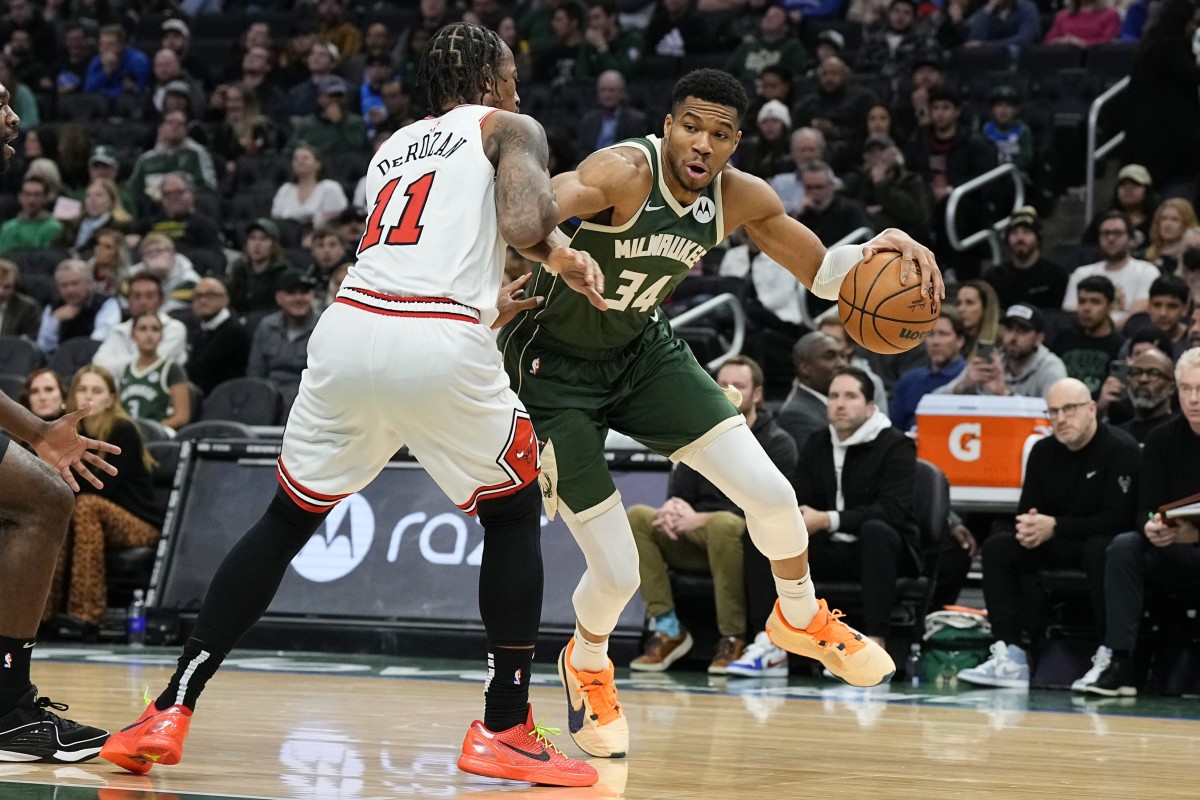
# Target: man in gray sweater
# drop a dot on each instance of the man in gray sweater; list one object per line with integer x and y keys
{"x": 1021, "y": 366}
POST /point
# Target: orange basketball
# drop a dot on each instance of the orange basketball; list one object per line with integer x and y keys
{"x": 879, "y": 312}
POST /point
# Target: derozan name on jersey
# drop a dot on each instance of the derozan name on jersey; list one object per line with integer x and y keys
{"x": 428, "y": 146}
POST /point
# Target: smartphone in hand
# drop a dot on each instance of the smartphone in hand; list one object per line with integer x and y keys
{"x": 1119, "y": 370}
{"x": 984, "y": 348}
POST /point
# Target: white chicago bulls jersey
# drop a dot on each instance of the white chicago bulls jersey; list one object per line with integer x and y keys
{"x": 431, "y": 223}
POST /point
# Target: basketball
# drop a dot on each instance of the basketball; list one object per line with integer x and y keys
{"x": 880, "y": 313}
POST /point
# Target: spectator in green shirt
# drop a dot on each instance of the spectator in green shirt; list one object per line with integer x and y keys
{"x": 332, "y": 129}
{"x": 772, "y": 46}
{"x": 33, "y": 227}
{"x": 174, "y": 151}
{"x": 608, "y": 45}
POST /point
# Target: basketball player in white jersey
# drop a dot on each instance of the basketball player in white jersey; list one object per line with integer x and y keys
{"x": 405, "y": 355}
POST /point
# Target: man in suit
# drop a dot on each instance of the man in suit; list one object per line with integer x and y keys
{"x": 20, "y": 314}
{"x": 816, "y": 357}
{"x": 219, "y": 344}
{"x": 612, "y": 120}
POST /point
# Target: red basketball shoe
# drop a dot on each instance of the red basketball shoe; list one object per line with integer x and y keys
{"x": 156, "y": 738}
{"x": 522, "y": 753}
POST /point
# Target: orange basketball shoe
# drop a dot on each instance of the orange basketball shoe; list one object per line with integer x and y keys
{"x": 594, "y": 716}
{"x": 522, "y": 753}
{"x": 156, "y": 738}
{"x": 845, "y": 652}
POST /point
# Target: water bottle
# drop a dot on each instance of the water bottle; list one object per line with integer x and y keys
{"x": 135, "y": 622}
{"x": 914, "y": 664}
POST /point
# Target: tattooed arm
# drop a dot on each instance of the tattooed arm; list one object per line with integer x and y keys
{"x": 525, "y": 206}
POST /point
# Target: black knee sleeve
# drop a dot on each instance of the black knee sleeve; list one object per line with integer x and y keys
{"x": 250, "y": 574}
{"x": 510, "y": 575}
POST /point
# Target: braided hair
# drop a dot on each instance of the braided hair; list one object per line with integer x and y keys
{"x": 452, "y": 67}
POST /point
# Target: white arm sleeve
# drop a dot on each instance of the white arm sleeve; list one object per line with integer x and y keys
{"x": 834, "y": 266}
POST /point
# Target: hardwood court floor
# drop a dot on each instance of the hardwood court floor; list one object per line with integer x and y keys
{"x": 330, "y": 726}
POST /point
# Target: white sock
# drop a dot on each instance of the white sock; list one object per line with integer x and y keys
{"x": 589, "y": 656}
{"x": 797, "y": 600}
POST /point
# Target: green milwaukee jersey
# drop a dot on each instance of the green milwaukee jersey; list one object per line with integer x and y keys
{"x": 147, "y": 394}
{"x": 643, "y": 261}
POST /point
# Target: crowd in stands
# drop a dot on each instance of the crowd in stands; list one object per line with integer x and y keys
{"x": 188, "y": 193}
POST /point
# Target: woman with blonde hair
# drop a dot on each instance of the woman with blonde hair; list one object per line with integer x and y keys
{"x": 978, "y": 307}
{"x": 1171, "y": 219}
{"x": 122, "y": 514}
{"x": 101, "y": 208}
{"x": 109, "y": 261}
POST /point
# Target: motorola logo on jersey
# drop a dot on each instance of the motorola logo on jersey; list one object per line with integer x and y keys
{"x": 340, "y": 544}
{"x": 704, "y": 209}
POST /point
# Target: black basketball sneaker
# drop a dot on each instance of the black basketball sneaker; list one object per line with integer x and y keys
{"x": 31, "y": 733}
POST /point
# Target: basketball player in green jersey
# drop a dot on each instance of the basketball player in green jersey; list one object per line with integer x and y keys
{"x": 647, "y": 210}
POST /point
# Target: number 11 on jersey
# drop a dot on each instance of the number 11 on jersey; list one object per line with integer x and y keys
{"x": 408, "y": 229}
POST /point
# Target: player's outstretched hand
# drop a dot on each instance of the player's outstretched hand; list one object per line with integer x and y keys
{"x": 581, "y": 272}
{"x": 915, "y": 257}
{"x": 510, "y": 303}
{"x": 64, "y": 449}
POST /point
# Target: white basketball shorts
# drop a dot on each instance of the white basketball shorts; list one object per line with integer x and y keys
{"x": 384, "y": 371}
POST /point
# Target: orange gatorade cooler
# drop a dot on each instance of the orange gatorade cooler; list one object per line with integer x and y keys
{"x": 979, "y": 441}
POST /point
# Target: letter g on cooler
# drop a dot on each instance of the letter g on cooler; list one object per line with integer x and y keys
{"x": 965, "y": 441}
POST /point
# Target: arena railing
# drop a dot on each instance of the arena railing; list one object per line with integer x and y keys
{"x": 1096, "y": 153}
{"x": 989, "y": 233}
{"x": 709, "y": 307}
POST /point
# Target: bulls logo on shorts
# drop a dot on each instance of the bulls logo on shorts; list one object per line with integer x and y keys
{"x": 521, "y": 454}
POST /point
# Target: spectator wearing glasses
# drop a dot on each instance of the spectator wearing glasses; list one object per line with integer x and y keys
{"x": 178, "y": 218}
{"x": 1160, "y": 552}
{"x": 219, "y": 345}
{"x": 1151, "y": 392}
{"x": 1131, "y": 276}
{"x": 1078, "y": 493}
{"x": 829, "y": 216}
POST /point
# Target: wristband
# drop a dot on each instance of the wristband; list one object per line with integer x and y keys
{"x": 834, "y": 266}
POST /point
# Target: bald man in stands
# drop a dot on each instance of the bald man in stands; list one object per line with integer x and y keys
{"x": 1151, "y": 391}
{"x": 1079, "y": 492}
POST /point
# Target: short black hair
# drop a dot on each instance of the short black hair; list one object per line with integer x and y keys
{"x": 714, "y": 86}
{"x": 1098, "y": 284}
{"x": 1149, "y": 333}
{"x": 457, "y": 62}
{"x": 779, "y": 71}
{"x": 865, "y": 384}
{"x": 1170, "y": 286}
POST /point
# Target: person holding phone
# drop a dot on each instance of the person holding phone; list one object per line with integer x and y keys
{"x": 1022, "y": 365}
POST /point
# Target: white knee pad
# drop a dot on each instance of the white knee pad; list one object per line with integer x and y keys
{"x": 737, "y": 465}
{"x": 611, "y": 577}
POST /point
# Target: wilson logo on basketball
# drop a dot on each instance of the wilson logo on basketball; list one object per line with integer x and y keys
{"x": 905, "y": 333}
